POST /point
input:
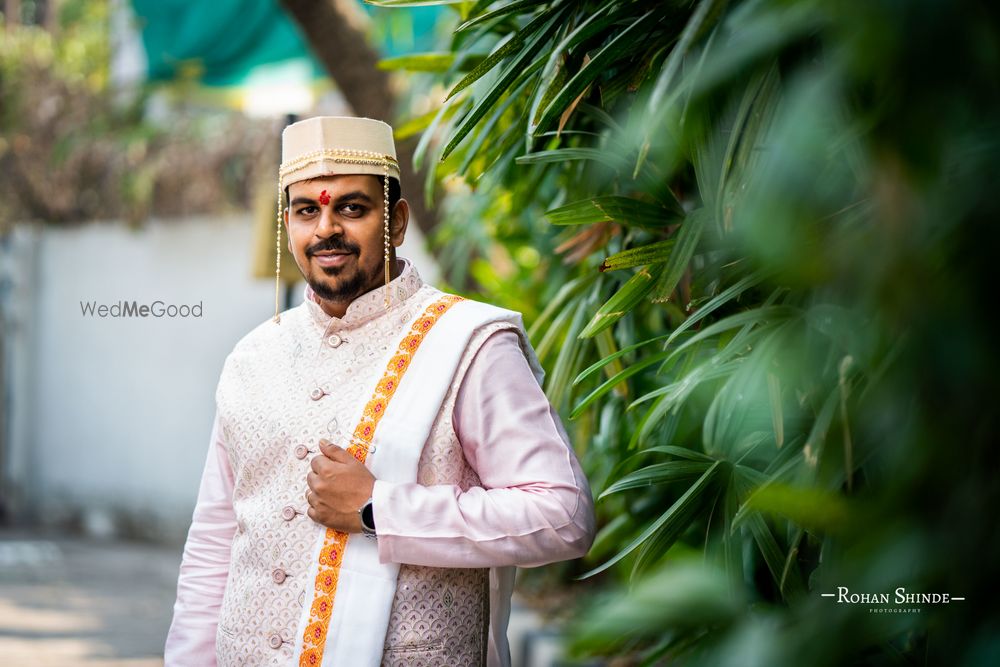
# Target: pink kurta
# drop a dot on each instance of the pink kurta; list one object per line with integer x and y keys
{"x": 531, "y": 506}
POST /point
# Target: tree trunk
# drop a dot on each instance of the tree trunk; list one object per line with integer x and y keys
{"x": 335, "y": 30}
{"x": 51, "y": 16}
{"x": 12, "y": 13}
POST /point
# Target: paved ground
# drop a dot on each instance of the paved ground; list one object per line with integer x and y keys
{"x": 74, "y": 602}
{"x": 70, "y": 602}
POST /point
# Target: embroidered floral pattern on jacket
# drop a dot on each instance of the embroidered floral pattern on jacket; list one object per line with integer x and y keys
{"x": 271, "y": 372}
{"x": 335, "y": 541}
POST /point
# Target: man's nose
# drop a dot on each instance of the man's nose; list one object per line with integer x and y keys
{"x": 329, "y": 224}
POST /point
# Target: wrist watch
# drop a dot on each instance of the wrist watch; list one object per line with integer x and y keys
{"x": 367, "y": 515}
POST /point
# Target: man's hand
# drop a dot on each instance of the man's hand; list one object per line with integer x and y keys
{"x": 339, "y": 485}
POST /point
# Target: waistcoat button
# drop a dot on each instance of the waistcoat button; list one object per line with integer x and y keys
{"x": 334, "y": 340}
{"x": 288, "y": 513}
{"x": 279, "y": 577}
{"x": 275, "y": 641}
{"x": 301, "y": 451}
{"x": 316, "y": 394}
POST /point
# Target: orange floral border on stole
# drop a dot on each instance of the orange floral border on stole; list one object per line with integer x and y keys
{"x": 332, "y": 553}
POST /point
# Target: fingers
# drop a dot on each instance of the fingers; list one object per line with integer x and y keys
{"x": 313, "y": 497}
{"x": 332, "y": 455}
{"x": 318, "y": 463}
{"x": 326, "y": 480}
{"x": 332, "y": 451}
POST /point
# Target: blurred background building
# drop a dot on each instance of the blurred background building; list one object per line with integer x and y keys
{"x": 139, "y": 145}
{"x": 106, "y": 421}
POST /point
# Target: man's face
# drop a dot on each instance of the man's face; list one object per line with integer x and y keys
{"x": 334, "y": 228}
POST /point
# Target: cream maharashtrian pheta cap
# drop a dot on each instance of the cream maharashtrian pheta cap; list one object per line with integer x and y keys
{"x": 331, "y": 145}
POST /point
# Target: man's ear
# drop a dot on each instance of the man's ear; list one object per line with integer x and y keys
{"x": 398, "y": 222}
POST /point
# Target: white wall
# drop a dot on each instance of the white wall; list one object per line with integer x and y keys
{"x": 110, "y": 417}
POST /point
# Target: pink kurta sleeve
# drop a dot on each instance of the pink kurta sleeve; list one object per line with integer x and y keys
{"x": 535, "y": 505}
{"x": 205, "y": 564}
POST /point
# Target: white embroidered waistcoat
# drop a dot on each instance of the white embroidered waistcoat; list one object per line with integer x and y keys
{"x": 282, "y": 389}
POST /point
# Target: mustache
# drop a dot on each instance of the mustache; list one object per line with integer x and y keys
{"x": 333, "y": 243}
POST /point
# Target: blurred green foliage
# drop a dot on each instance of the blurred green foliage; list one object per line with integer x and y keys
{"x": 80, "y": 56}
{"x": 754, "y": 241}
{"x": 76, "y": 146}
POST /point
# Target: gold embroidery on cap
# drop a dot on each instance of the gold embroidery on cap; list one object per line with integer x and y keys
{"x": 340, "y": 156}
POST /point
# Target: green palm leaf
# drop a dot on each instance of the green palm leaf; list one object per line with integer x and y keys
{"x": 651, "y": 253}
{"x": 499, "y": 12}
{"x": 680, "y": 258}
{"x": 613, "y": 160}
{"x": 554, "y": 75}
{"x": 610, "y": 208}
{"x": 722, "y": 298}
{"x": 615, "y": 380}
{"x": 669, "y": 524}
{"x": 658, "y": 473}
{"x": 540, "y": 23}
{"x": 755, "y": 316}
{"x": 431, "y": 62}
{"x": 622, "y": 45}
{"x": 519, "y": 67}
{"x": 593, "y": 368}
{"x": 623, "y": 300}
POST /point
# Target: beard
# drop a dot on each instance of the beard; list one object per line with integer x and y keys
{"x": 350, "y": 285}
{"x": 347, "y": 289}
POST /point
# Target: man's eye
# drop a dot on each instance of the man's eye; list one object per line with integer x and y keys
{"x": 307, "y": 210}
{"x": 352, "y": 208}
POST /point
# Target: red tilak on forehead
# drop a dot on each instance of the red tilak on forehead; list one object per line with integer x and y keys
{"x": 324, "y": 198}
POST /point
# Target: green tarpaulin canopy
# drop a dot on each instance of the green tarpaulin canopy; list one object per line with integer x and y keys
{"x": 222, "y": 42}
